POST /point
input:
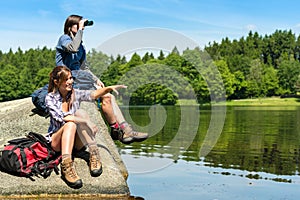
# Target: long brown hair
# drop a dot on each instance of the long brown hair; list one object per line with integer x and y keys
{"x": 70, "y": 21}
{"x": 60, "y": 74}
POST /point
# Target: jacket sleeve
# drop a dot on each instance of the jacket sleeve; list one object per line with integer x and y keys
{"x": 73, "y": 45}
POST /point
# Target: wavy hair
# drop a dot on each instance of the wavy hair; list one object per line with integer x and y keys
{"x": 60, "y": 74}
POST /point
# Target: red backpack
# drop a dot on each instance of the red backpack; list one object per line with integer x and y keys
{"x": 29, "y": 156}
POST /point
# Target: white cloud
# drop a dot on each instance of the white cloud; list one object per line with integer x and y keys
{"x": 251, "y": 27}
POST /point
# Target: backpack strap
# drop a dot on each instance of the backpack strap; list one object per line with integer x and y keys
{"x": 22, "y": 154}
{"x": 23, "y": 158}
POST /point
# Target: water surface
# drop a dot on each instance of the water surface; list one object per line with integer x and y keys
{"x": 256, "y": 155}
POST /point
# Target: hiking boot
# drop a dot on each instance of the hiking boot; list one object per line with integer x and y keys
{"x": 130, "y": 135}
{"x": 95, "y": 163}
{"x": 116, "y": 133}
{"x": 69, "y": 175}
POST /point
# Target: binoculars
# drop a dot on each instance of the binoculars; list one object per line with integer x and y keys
{"x": 88, "y": 23}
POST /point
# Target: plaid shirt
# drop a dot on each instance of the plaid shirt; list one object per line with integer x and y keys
{"x": 54, "y": 105}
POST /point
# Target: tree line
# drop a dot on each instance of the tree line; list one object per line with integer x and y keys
{"x": 262, "y": 66}
{"x": 22, "y": 72}
{"x": 249, "y": 67}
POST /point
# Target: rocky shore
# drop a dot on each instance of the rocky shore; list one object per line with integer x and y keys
{"x": 16, "y": 120}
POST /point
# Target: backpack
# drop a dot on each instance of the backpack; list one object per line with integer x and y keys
{"x": 38, "y": 100}
{"x": 29, "y": 156}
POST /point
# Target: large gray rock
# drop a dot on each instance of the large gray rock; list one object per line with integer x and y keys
{"x": 15, "y": 121}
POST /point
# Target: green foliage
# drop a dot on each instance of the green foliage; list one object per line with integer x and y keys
{"x": 252, "y": 66}
{"x": 9, "y": 83}
{"x": 98, "y": 62}
{"x": 227, "y": 77}
{"x": 23, "y": 72}
{"x": 288, "y": 72}
{"x": 263, "y": 66}
{"x": 152, "y": 84}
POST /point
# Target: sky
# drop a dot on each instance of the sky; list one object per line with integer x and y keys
{"x": 39, "y": 23}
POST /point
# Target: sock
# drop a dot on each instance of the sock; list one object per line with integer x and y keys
{"x": 93, "y": 147}
{"x": 64, "y": 156}
{"x": 114, "y": 125}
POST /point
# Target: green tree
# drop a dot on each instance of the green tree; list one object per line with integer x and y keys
{"x": 98, "y": 62}
{"x": 255, "y": 80}
{"x": 161, "y": 55}
{"x": 288, "y": 72}
{"x": 9, "y": 83}
{"x": 151, "y": 84}
{"x": 277, "y": 44}
{"x": 240, "y": 86}
{"x": 227, "y": 77}
{"x": 271, "y": 83}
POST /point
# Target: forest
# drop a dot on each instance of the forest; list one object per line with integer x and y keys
{"x": 249, "y": 67}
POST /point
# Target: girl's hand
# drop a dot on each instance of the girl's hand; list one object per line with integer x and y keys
{"x": 103, "y": 91}
{"x": 116, "y": 87}
{"x": 81, "y": 24}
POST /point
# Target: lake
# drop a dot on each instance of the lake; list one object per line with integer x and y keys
{"x": 214, "y": 153}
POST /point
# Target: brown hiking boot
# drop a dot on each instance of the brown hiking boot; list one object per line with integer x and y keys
{"x": 95, "y": 163}
{"x": 69, "y": 175}
{"x": 131, "y": 135}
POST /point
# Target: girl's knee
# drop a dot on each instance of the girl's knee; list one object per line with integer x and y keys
{"x": 70, "y": 126}
{"x": 106, "y": 99}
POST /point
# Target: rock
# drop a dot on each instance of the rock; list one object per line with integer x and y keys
{"x": 16, "y": 121}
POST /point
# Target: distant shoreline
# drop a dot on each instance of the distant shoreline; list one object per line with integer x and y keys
{"x": 266, "y": 101}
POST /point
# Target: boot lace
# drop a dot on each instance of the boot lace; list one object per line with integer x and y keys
{"x": 94, "y": 159}
{"x": 70, "y": 170}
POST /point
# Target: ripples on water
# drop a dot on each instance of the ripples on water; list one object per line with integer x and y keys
{"x": 259, "y": 146}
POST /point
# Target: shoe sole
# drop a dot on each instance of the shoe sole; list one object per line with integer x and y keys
{"x": 139, "y": 139}
{"x": 76, "y": 185}
{"x": 128, "y": 141}
{"x": 96, "y": 173}
{"x": 133, "y": 140}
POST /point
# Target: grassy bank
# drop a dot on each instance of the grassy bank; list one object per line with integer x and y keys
{"x": 270, "y": 101}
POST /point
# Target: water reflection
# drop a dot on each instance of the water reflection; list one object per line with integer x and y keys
{"x": 259, "y": 140}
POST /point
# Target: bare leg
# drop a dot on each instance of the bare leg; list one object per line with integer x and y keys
{"x": 86, "y": 134}
{"x": 107, "y": 109}
{"x": 118, "y": 113}
{"x": 63, "y": 139}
